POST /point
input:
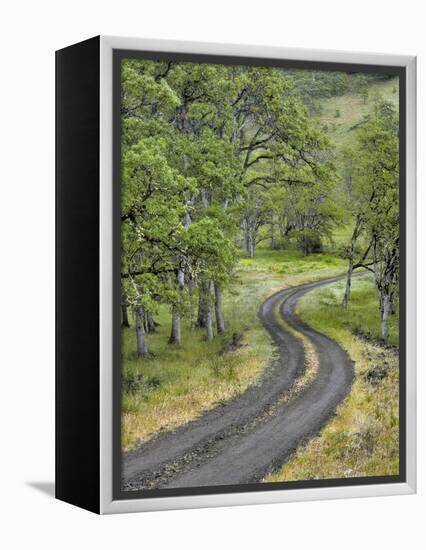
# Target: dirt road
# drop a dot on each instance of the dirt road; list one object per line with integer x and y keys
{"x": 242, "y": 440}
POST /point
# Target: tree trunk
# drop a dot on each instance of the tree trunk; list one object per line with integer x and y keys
{"x": 386, "y": 311}
{"x": 124, "y": 316}
{"x": 253, "y": 229}
{"x": 390, "y": 269}
{"x": 142, "y": 344}
{"x": 204, "y": 198}
{"x": 151, "y": 324}
{"x": 356, "y": 233}
{"x": 220, "y": 322}
{"x": 175, "y": 334}
{"x": 175, "y": 337}
{"x": 193, "y": 305}
{"x": 273, "y": 243}
{"x": 205, "y": 309}
{"x": 201, "y": 316}
{"x": 374, "y": 254}
{"x": 347, "y": 293}
{"x": 252, "y": 245}
{"x": 246, "y": 235}
{"x": 209, "y": 325}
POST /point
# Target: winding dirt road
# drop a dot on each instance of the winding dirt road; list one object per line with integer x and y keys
{"x": 249, "y": 436}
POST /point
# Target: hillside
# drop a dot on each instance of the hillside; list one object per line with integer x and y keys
{"x": 339, "y": 115}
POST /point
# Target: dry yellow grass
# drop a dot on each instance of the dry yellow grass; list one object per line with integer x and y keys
{"x": 243, "y": 368}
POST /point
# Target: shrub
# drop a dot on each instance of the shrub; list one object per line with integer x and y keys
{"x": 308, "y": 241}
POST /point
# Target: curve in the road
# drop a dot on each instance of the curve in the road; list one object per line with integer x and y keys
{"x": 252, "y": 434}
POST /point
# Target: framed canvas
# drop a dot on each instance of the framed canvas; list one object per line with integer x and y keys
{"x": 236, "y": 274}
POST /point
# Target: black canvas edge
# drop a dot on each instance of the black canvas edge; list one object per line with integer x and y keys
{"x": 77, "y": 441}
{"x": 395, "y": 70}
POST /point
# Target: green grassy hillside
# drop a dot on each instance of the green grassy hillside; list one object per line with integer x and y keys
{"x": 340, "y": 115}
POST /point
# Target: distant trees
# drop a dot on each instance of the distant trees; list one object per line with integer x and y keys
{"x": 374, "y": 199}
{"x": 312, "y": 86}
{"x": 361, "y": 86}
{"x": 308, "y": 214}
{"x": 279, "y": 149}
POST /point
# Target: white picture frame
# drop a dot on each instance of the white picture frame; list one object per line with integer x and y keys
{"x": 107, "y": 503}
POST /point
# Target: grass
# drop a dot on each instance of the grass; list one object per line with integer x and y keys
{"x": 352, "y": 109}
{"x": 362, "y": 317}
{"x": 363, "y": 437}
{"x": 289, "y": 267}
{"x": 181, "y": 382}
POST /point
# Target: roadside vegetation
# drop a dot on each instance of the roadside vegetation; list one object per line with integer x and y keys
{"x": 177, "y": 384}
{"x": 363, "y": 437}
